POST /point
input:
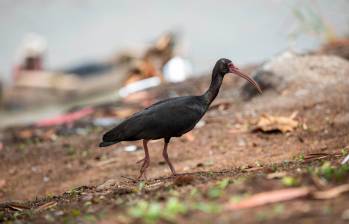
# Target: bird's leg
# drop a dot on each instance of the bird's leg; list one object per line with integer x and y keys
{"x": 146, "y": 160}
{"x": 165, "y": 155}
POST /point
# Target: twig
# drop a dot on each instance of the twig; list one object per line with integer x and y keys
{"x": 131, "y": 179}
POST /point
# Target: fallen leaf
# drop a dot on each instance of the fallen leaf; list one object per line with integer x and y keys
{"x": 46, "y": 206}
{"x": 268, "y": 123}
{"x": 270, "y": 197}
{"x": 331, "y": 193}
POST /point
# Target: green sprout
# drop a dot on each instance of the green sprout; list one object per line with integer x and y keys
{"x": 217, "y": 191}
{"x": 151, "y": 212}
{"x": 288, "y": 181}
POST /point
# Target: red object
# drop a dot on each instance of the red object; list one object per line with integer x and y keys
{"x": 65, "y": 118}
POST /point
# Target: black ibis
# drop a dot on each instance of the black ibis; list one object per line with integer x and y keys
{"x": 171, "y": 117}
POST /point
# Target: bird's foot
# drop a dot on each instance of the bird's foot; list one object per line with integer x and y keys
{"x": 144, "y": 167}
{"x": 142, "y": 175}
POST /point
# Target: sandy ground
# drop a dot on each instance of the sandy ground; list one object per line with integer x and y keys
{"x": 69, "y": 170}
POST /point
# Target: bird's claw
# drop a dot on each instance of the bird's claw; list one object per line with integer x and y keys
{"x": 144, "y": 167}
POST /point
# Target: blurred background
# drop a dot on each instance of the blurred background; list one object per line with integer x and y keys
{"x": 59, "y": 54}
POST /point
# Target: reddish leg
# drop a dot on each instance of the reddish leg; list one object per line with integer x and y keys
{"x": 165, "y": 155}
{"x": 146, "y": 160}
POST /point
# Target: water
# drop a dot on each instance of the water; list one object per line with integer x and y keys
{"x": 81, "y": 30}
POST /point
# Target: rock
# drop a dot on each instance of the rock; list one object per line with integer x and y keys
{"x": 298, "y": 75}
{"x": 266, "y": 80}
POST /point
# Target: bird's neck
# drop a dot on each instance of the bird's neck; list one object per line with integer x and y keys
{"x": 213, "y": 90}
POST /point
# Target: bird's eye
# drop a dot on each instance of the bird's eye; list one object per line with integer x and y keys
{"x": 226, "y": 68}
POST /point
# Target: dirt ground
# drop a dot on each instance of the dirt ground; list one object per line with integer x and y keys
{"x": 68, "y": 179}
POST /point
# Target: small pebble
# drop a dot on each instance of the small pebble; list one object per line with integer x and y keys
{"x": 130, "y": 148}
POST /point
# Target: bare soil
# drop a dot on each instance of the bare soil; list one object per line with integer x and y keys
{"x": 69, "y": 170}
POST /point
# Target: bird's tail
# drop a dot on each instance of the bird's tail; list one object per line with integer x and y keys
{"x": 111, "y": 137}
{"x": 105, "y": 144}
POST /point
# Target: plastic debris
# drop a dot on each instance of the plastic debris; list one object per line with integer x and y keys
{"x": 131, "y": 148}
{"x": 139, "y": 86}
{"x": 65, "y": 118}
{"x": 105, "y": 121}
{"x": 177, "y": 70}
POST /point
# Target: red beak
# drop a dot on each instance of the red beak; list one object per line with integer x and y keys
{"x": 235, "y": 70}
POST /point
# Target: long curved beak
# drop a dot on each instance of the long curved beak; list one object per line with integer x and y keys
{"x": 235, "y": 70}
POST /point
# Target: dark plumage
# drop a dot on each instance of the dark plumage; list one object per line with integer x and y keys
{"x": 171, "y": 117}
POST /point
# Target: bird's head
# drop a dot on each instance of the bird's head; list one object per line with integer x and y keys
{"x": 225, "y": 66}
